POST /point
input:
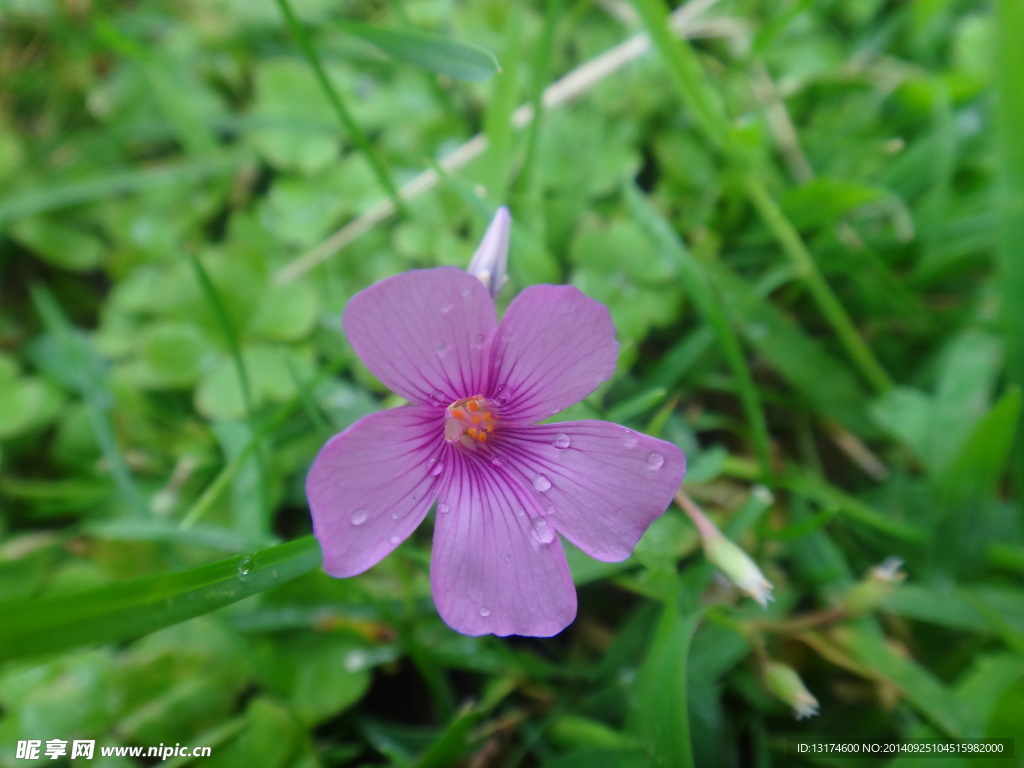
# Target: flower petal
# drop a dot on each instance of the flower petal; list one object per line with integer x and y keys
{"x": 425, "y": 334}
{"x": 371, "y": 486}
{"x": 497, "y": 566}
{"x": 554, "y": 346}
{"x": 601, "y": 484}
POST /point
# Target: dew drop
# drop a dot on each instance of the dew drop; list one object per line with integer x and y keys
{"x": 762, "y": 494}
{"x": 437, "y": 397}
{"x": 561, "y": 441}
{"x": 245, "y": 566}
{"x": 464, "y": 290}
{"x": 359, "y": 516}
{"x": 520, "y": 513}
{"x": 498, "y": 462}
{"x": 550, "y": 511}
{"x": 479, "y": 340}
{"x": 356, "y": 660}
{"x": 395, "y": 540}
{"x": 485, "y": 611}
{"x": 434, "y": 467}
{"x": 541, "y": 483}
{"x": 443, "y": 509}
{"x": 501, "y": 395}
{"x": 394, "y": 515}
{"x": 629, "y": 439}
{"x": 654, "y": 460}
{"x": 543, "y": 531}
{"x": 507, "y": 558}
{"x": 446, "y": 307}
{"x": 440, "y": 347}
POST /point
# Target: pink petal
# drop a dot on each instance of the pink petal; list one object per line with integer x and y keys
{"x": 601, "y": 484}
{"x": 371, "y": 486}
{"x": 497, "y": 566}
{"x": 490, "y": 262}
{"x": 425, "y": 334}
{"x": 553, "y": 348}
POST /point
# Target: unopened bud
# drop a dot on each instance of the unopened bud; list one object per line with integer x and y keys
{"x": 879, "y": 583}
{"x": 490, "y": 262}
{"x": 727, "y": 557}
{"x": 785, "y": 684}
{"x": 738, "y": 567}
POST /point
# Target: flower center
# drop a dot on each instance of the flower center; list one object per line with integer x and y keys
{"x": 469, "y": 422}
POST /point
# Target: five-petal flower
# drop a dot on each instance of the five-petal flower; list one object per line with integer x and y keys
{"x": 505, "y": 486}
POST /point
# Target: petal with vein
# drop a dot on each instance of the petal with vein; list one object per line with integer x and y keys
{"x": 371, "y": 486}
{"x": 554, "y": 346}
{"x": 425, "y": 334}
{"x": 497, "y": 566}
{"x": 601, "y": 484}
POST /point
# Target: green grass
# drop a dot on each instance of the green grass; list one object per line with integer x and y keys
{"x": 806, "y": 222}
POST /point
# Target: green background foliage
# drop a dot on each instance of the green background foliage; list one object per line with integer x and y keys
{"x": 806, "y": 220}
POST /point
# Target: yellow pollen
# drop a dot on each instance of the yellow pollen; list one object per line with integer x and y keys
{"x": 468, "y": 422}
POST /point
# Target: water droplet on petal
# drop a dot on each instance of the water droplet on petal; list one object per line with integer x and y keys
{"x": 395, "y": 540}
{"x": 501, "y": 395}
{"x": 446, "y": 307}
{"x": 434, "y": 467}
{"x": 654, "y": 460}
{"x": 485, "y": 611}
{"x": 464, "y": 290}
{"x": 541, "y": 483}
{"x": 507, "y": 558}
{"x": 394, "y": 515}
{"x": 561, "y": 441}
{"x": 479, "y": 340}
{"x": 498, "y": 462}
{"x": 550, "y": 511}
{"x": 440, "y": 347}
{"x": 245, "y": 566}
{"x": 443, "y": 509}
{"x": 359, "y": 516}
{"x": 437, "y": 398}
{"x": 520, "y": 513}
{"x": 543, "y": 531}
{"x": 629, "y": 438}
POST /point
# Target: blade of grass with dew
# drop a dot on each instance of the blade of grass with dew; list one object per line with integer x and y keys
{"x": 90, "y": 388}
{"x": 700, "y": 290}
{"x": 709, "y": 111}
{"x": 1010, "y": 199}
{"x": 462, "y": 61}
{"x": 256, "y": 520}
{"x": 337, "y": 103}
{"x": 132, "y": 608}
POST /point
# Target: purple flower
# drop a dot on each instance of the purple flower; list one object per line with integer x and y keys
{"x": 504, "y": 485}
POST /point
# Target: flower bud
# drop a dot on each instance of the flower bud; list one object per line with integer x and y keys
{"x": 865, "y": 596}
{"x": 490, "y": 261}
{"x": 730, "y": 559}
{"x": 785, "y": 684}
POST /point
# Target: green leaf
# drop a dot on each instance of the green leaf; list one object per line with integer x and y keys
{"x": 132, "y": 608}
{"x": 659, "y": 715}
{"x": 433, "y": 53}
{"x": 923, "y": 690}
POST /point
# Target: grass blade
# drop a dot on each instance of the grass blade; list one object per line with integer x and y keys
{"x": 132, "y": 608}
{"x": 433, "y": 53}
